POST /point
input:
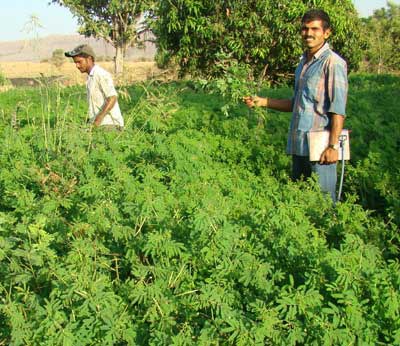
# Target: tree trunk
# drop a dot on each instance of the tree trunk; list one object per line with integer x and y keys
{"x": 119, "y": 60}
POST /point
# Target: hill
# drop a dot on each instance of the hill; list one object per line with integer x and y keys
{"x": 42, "y": 48}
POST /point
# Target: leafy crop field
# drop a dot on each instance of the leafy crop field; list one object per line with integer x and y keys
{"x": 184, "y": 229}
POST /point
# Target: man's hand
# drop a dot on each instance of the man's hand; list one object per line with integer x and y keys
{"x": 108, "y": 105}
{"x": 255, "y": 101}
{"x": 329, "y": 156}
{"x": 97, "y": 123}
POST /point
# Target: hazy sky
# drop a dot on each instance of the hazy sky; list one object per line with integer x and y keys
{"x": 15, "y": 15}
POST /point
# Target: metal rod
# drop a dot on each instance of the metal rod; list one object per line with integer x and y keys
{"x": 341, "y": 144}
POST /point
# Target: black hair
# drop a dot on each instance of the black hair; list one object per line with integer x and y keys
{"x": 321, "y": 15}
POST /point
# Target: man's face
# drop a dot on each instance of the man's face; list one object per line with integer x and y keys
{"x": 83, "y": 64}
{"x": 314, "y": 35}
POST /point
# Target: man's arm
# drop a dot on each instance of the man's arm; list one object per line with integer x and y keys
{"x": 331, "y": 155}
{"x": 108, "y": 105}
{"x": 337, "y": 92}
{"x": 282, "y": 105}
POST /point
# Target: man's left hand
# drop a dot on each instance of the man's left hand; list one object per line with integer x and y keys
{"x": 329, "y": 156}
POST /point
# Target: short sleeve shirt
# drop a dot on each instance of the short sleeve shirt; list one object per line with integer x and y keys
{"x": 99, "y": 87}
{"x": 320, "y": 89}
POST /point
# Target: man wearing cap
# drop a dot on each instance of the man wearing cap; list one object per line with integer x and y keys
{"x": 101, "y": 94}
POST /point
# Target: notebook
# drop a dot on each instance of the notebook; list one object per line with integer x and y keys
{"x": 318, "y": 141}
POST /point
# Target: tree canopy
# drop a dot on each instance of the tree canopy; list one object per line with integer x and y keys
{"x": 382, "y": 31}
{"x": 264, "y": 34}
{"x": 116, "y": 21}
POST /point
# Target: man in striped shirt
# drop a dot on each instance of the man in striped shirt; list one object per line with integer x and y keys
{"x": 319, "y": 102}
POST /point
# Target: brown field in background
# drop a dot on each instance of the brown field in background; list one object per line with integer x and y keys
{"x": 69, "y": 75}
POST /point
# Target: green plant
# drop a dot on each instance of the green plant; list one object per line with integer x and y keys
{"x": 116, "y": 21}
{"x": 236, "y": 81}
{"x": 382, "y": 31}
{"x": 263, "y": 34}
{"x": 184, "y": 229}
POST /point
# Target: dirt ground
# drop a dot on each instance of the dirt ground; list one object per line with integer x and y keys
{"x": 26, "y": 73}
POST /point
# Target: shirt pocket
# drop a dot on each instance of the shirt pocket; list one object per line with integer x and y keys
{"x": 311, "y": 89}
{"x": 308, "y": 103}
{"x": 314, "y": 96}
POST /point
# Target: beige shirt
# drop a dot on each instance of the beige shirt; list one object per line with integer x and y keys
{"x": 99, "y": 87}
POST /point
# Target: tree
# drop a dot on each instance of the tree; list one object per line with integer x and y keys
{"x": 382, "y": 31}
{"x": 31, "y": 28}
{"x": 116, "y": 21}
{"x": 58, "y": 57}
{"x": 264, "y": 34}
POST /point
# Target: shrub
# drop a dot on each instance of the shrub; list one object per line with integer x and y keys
{"x": 58, "y": 58}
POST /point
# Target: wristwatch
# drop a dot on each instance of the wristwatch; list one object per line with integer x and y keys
{"x": 334, "y": 146}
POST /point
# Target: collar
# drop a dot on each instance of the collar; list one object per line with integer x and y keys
{"x": 318, "y": 54}
{"x": 92, "y": 71}
{"x": 321, "y": 51}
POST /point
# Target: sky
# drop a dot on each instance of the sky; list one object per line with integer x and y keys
{"x": 15, "y": 16}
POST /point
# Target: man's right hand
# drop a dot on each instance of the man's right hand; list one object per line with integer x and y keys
{"x": 255, "y": 101}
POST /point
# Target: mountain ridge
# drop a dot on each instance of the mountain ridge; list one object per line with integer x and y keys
{"x": 36, "y": 50}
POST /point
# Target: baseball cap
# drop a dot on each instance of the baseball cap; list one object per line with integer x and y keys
{"x": 81, "y": 49}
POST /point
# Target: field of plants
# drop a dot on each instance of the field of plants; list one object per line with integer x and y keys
{"x": 185, "y": 229}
